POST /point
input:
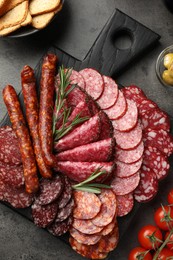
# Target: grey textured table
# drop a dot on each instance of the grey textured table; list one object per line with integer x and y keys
{"x": 20, "y": 239}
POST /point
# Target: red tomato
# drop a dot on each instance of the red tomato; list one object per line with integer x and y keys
{"x": 170, "y": 197}
{"x": 163, "y": 217}
{"x": 150, "y": 237}
{"x": 165, "y": 254}
{"x": 170, "y": 243}
{"x": 138, "y": 253}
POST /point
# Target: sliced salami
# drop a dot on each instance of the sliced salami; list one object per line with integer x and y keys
{"x": 66, "y": 194}
{"x": 145, "y": 105}
{"x": 87, "y": 205}
{"x": 94, "y": 82}
{"x": 118, "y": 109}
{"x": 129, "y": 140}
{"x": 12, "y": 175}
{"x": 65, "y": 212}
{"x": 86, "y": 133}
{"x": 9, "y": 147}
{"x": 108, "y": 209}
{"x": 44, "y": 215}
{"x": 109, "y": 242}
{"x": 135, "y": 93}
{"x": 122, "y": 186}
{"x": 129, "y": 120}
{"x": 60, "y": 228}
{"x": 76, "y": 95}
{"x": 109, "y": 228}
{"x": 50, "y": 190}
{"x": 2, "y": 190}
{"x": 93, "y": 106}
{"x": 148, "y": 185}
{"x": 80, "y": 171}
{"x": 124, "y": 170}
{"x": 160, "y": 139}
{"x": 110, "y": 93}
{"x": 77, "y": 78}
{"x": 125, "y": 204}
{"x": 86, "y": 226}
{"x": 130, "y": 156}
{"x": 156, "y": 161}
{"x": 106, "y": 126}
{"x": 100, "y": 151}
{"x": 84, "y": 238}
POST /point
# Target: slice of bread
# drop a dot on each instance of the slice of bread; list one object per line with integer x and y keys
{"x": 15, "y": 16}
{"x": 43, "y": 6}
{"x": 9, "y": 30}
{"x": 27, "y": 21}
{"x": 8, "y": 5}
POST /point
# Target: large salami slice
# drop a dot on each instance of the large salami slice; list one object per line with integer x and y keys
{"x": 122, "y": 186}
{"x": 66, "y": 194}
{"x": 129, "y": 140}
{"x": 148, "y": 185}
{"x": 9, "y": 147}
{"x": 119, "y": 108}
{"x": 100, "y": 151}
{"x": 125, "y": 204}
{"x": 106, "y": 126}
{"x": 76, "y": 95}
{"x": 86, "y": 133}
{"x": 130, "y": 156}
{"x": 94, "y": 82}
{"x": 77, "y": 78}
{"x": 145, "y": 105}
{"x": 86, "y": 226}
{"x": 87, "y": 205}
{"x": 125, "y": 170}
{"x": 129, "y": 120}
{"x": 160, "y": 139}
{"x": 65, "y": 212}
{"x": 108, "y": 209}
{"x": 110, "y": 93}
{"x": 80, "y": 171}
{"x": 84, "y": 238}
{"x": 135, "y": 93}
{"x": 60, "y": 228}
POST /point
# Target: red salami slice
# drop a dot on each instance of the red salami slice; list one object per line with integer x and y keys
{"x": 77, "y": 78}
{"x": 60, "y": 228}
{"x": 65, "y": 212}
{"x": 100, "y": 151}
{"x": 84, "y": 202}
{"x": 93, "y": 106}
{"x": 109, "y": 242}
{"x": 50, "y": 190}
{"x": 124, "y": 170}
{"x": 94, "y": 82}
{"x": 9, "y": 147}
{"x": 76, "y": 95}
{"x": 145, "y": 105}
{"x": 156, "y": 161}
{"x": 80, "y": 171}
{"x": 106, "y": 126}
{"x": 86, "y": 226}
{"x": 135, "y": 93}
{"x": 44, "y": 215}
{"x": 108, "y": 209}
{"x": 129, "y": 140}
{"x": 129, "y": 120}
{"x": 130, "y": 156}
{"x": 109, "y": 228}
{"x": 122, "y": 186}
{"x": 125, "y": 204}
{"x": 148, "y": 185}
{"x": 84, "y": 238}
{"x": 160, "y": 139}
{"x": 2, "y": 190}
{"x": 12, "y": 175}
{"x": 110, "y": 93}
{"x": 118, "y": 109}
{"x": 66, "y": 194}
{"x": 155, "y": 119}
{"x": 86, "y": 133}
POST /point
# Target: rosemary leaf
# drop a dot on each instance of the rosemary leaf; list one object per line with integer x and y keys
{"x": 99, "y": 185}
{"x": 89, "y": 189}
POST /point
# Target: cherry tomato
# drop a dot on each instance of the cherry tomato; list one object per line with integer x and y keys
{"x": 170, "y": 243}
{"x": 139, "y": 253}
{"x": 170, "y": 197}
{"x": 165, "y": 254}
{"x": 163, "y": 217}
{"x": 150, "y": 237}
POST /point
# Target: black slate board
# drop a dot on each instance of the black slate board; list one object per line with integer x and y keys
{"x": 109, "y": 60}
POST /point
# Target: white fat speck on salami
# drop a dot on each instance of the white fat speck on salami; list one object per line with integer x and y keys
{"x": 60, "y": 228}
{"x": 156, "y": 161}
{"x": 129, "y": 120}
{"x": 106, "y": 126}
{"x": 129, "y": 156}
{"x": 122, "y": 186}
{"x": 65, "y": 212}
{"x": 125, "y": 204}
{"x": 87, "y": 205}
{"x": 86, "y": 226}
{"x": 135, "y": 93}
{"x": 118, "y": 109}
{"x": 124, "y": 170}
{"x": 66, "y": 194}
{"x": 94, "y": 84}
{"x": 108, "y": 208}
{"x": 129, "y": 140}
{"x": 77, "y": 78}
{"x": 110, "y": 93}
{"x": 84, "y": 238}
{"x": 148, "y": 185}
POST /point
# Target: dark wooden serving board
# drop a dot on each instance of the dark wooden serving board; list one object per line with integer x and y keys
{"x": 107, "y": 59}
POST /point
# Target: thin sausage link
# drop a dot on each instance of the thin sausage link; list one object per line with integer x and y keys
{"x": 32, "y": 113}
{"x": 46, "y": 107}
{"x": 19, "y": 125}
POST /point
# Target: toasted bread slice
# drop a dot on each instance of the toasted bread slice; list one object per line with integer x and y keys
{"x": 28, "y": 20}
{"x": 9, "y": 30}
{"x": 15, "y": 16}
{"x": 8, "y": 5}
{"x": 37, "y": 7}
{"x": 42, "y": 20}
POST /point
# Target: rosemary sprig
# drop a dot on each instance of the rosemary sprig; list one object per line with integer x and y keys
{"x": 92, "y": 187}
